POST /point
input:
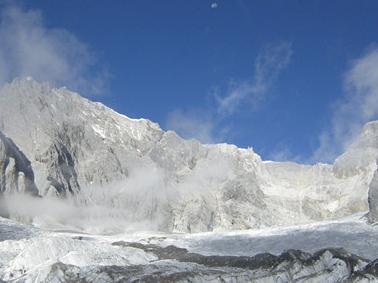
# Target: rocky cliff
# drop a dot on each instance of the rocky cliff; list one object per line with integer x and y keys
{"x": 16, "y": 174}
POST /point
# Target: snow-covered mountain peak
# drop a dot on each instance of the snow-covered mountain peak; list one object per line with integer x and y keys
{"x": 361, "y": 155}
{"x": 49, "y": 106}
{"x": 134, "y": 170}
{"x": 49, "y": 123}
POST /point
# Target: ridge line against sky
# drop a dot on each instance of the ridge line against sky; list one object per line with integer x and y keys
{"x": 295, "y": 87}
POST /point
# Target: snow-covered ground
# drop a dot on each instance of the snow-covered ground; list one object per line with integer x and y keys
{"x": 28, "y": 254}
{"x": 352, "y": 234}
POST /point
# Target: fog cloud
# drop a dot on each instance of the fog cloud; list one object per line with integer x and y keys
{"x": 146, "y": 201}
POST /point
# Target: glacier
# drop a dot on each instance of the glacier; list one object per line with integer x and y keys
{"x": 302, "y": 253}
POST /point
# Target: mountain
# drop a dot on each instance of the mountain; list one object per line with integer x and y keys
{"x": 87, "y": 154}
{"x": 80, "y": 172}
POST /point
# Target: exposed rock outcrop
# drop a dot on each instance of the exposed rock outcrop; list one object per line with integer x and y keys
{"x": 177, "y": 265}
{"x": 16, "y": 174}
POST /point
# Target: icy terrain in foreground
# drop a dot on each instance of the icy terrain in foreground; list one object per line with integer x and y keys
{"x": 334, "y": 251}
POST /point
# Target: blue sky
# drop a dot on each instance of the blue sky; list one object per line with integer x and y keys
{"x": 280, "y": 76}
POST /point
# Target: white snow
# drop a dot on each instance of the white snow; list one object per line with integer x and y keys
{"x": 354, "y": 235}
{"x": 31, "y": 257}
{"x": 99, "y": 131}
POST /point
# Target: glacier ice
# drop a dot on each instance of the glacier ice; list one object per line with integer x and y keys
{"x": 45, "y": 256}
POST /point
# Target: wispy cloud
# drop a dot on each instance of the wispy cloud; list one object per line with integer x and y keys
{"x": 209, "y": 124}
{"x": 193, "y": 124}
{"x": 282, "y": 152}
{"x": 214, "y": 5}
{"x": 269, "y": 64}
{"x": 29, "y": 48}
{"x": 358, "y": 106}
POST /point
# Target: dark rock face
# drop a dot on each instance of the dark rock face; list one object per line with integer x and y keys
{"x": 141, "y": 273}
{"x": 172, "y": 252}
{"x": 61, "y": 168}
{"x": 16, "y": 174}
{"x": 178, "y": 265}
{"x": 370, "y": 272}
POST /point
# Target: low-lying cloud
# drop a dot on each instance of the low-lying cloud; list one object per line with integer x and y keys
{"x": 29, "y": 48}
{"x": 146, "y": 201}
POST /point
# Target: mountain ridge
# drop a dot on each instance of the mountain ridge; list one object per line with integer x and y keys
{"x": 86, "y": 151}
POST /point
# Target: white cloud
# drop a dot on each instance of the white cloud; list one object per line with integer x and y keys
{"x": 358, "y": 106}
{"x": 192, "y": 124}
{"x": 269, "y": 64}
{"x": 214, "y": 5}
{"x": 28, "y": 48}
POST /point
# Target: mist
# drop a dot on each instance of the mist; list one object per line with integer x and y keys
{"x": 145, "y": 201}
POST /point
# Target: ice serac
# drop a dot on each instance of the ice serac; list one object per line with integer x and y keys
{"x": 16, "y": 174}
{"x": 134, "y": 170}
